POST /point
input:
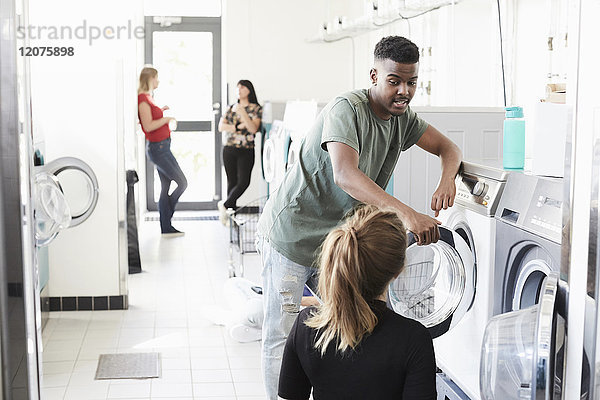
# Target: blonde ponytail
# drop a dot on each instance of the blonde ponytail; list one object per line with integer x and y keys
{"x": 357, "y": 261}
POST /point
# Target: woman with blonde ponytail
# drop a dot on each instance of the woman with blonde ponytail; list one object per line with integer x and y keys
{"x": 158, "y": 149}
{"x": 352, "y": 346}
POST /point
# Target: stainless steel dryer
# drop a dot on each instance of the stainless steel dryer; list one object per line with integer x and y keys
{"x": 523, "y": 350}
{"x": 528, "y": 240}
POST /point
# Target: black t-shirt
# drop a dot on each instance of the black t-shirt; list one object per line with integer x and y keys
{"x": 395, "y": 362}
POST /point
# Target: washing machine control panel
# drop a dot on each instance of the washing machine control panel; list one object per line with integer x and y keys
{"x": 534, "y": 204}
{"x": 477, "y": 193}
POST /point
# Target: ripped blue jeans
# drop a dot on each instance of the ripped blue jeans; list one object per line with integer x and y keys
{"x": 283, "y": 285}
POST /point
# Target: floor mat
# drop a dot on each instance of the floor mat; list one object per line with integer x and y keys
{"x": 128, "y": 366}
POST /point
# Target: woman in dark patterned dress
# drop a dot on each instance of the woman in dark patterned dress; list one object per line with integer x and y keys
{"x": 239, "y": 124}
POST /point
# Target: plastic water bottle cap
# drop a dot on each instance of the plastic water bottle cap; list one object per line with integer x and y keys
{"x": 514, "y": 112}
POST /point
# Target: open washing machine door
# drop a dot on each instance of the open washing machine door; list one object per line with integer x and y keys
{"x": 65, "y": 195}
{"x": 293, "y": 153}
{"x": 52, "y": 213}
{"x": 268, "y": 160}
{"x": 522, "y": 349}
{"x": 437, "y": 286}
{"x": 79, "y": 185}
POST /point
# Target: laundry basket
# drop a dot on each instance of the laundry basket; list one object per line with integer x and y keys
{"x": 242, "y": 234}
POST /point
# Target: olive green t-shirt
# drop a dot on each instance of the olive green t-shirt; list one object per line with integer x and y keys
{"x": 308, "y": 203}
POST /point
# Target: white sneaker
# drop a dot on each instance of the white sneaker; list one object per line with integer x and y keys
{"x": 244, "y": 333}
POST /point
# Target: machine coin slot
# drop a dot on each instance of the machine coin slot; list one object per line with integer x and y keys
{"x": 510, "y": 215}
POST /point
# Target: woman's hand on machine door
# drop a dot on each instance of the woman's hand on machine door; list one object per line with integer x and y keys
{"x": 424, "y": 227}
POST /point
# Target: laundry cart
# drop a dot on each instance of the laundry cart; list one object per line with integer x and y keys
{"x": 242, "y": 234}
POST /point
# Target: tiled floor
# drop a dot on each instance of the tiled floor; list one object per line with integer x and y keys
{"x": 199, "y": 360}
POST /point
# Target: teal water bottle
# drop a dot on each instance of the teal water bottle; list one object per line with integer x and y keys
{"x": 513, "y": 153}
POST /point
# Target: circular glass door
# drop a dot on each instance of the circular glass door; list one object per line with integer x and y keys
{"x": 79, "y": 185}
{"x": 52, "y": 213}
{"x": 517, "y": 356}
{"x": 436, "y": 285}
{"x": 268, "y": 160}
{"x": 528, "y": 285}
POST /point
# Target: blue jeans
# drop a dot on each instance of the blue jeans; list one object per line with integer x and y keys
{"x": 283, "y": 285}
{"x": 168, "y": 171}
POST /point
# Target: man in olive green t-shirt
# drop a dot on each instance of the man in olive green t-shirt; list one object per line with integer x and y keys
{"x": 347, "y": 158}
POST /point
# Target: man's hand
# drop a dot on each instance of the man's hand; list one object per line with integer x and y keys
{"x": 443, "y": 196}
{"x": 423, "y": 227}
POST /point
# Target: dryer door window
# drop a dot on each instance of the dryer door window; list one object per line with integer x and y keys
{"x": 268, "y": 161}
{"x": 528, "y": 285}
{"x": 527, "y": 266}
{"x": 52, "y": 212}
{"x": 79, "y": 184}
{"x": 520, "y": 349}
{"x": 436, "y": 285}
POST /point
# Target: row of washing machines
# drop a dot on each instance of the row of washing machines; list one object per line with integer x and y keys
{"x": 489, "y": 291}
{"x": 284, "y": 138}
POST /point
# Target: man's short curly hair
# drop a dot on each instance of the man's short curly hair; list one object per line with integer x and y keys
{"x": 398, "y": 49}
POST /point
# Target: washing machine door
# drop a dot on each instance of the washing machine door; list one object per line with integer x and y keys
{"x": 528, "y": 285}
{"x": 268, "y": 160}
{"x": 293, "y": 153}
{"x": 528, "y": 265}
{"x": 79, "y": 185}
{"x": 52, "y": 213}
{"x": 436, "y": 287}
{"x": 520, "y": 349}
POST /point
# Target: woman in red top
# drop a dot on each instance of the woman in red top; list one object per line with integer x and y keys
{"x": 158, "y": 149}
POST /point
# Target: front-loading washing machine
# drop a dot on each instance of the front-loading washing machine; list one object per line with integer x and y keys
{"x": 528, "y": 243}
{"x": 275, "y": 153}
{"x": 447, "y": 285}
{"x": 524, "y": 348}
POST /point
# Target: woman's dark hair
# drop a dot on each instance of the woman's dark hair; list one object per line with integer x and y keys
{"x": 398, "y": 49}
{"x": 252, "y": 96}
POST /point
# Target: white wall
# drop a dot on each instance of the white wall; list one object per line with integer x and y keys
{"x": 78, "y": 107}
{"x": 267, "y": 43}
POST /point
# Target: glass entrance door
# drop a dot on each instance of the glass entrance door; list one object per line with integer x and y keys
{"x": 187, "y": 54}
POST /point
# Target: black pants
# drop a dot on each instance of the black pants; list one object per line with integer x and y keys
{"x": 238, "y": 167}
